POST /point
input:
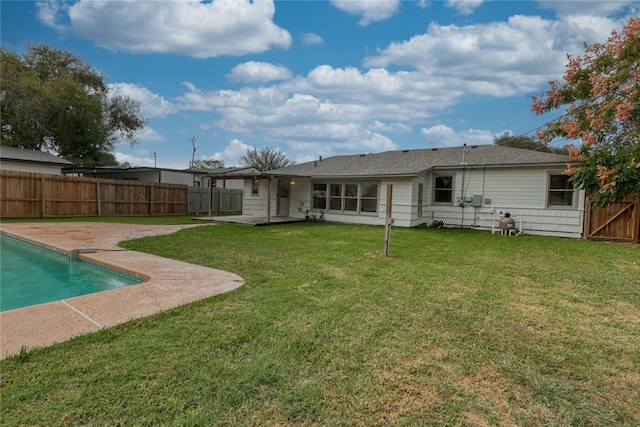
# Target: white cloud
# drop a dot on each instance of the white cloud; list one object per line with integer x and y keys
{"x": 231, "y": 153}
{"x": 444, "y": 136}
{"x": 592, "y": 8}
{"x": 191, "y": 28}
{"x": 151, "y": 104}
{"x": 136, "y": 160}
{"x": 258, "y": 72}
{"x": 310, "y": 39}
{"x": 148, "y": 134}
{"x": 370, "y": 11}
{"x": 465, "y": 7}
{"x": 499, "y": 58}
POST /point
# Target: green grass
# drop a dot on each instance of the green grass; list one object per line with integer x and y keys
{"x": 456, "y": 327}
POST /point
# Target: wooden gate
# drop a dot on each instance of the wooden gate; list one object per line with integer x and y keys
{"x": 616, "y": 221}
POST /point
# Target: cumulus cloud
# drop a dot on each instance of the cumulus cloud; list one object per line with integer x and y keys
{"x": 140, "y": 158}
{"x": 370, "y": 11}
{"x": 151, "y": 104}
{"x": 201, "y": 30}
{"x": 310, "y": 39}
{"x": 258, "y": 72}
{"x": 587, "y": 8}
{"x": 465, "y": 7}
{"x": 444, "y": 136}
{"x": 231, "y": 153}
{"x": 497, "y": 58}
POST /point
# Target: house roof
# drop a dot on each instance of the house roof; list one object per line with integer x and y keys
{"x": 31, "y": 156}
{"x": 413, "y": 162}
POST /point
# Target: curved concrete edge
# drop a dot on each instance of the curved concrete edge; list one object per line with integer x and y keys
{"x": 171, "y": 284}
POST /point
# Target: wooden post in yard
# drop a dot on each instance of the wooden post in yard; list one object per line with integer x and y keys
{"x": 388, "y": 221}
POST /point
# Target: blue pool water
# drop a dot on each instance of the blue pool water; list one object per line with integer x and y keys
{"x": 31, "y": 275}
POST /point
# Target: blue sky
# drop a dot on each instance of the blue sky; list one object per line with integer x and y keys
{"x": 318, "y": 78}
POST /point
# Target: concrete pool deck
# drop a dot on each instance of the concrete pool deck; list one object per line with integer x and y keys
{"x": 169, "y": 283}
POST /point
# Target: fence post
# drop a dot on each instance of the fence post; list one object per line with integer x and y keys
{"x": 98, "y": 197}
{"x": 388, "y": 221}
{"x": 151, "y": 199}
{"x": 44, "y": 199}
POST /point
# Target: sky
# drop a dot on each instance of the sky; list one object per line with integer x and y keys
{"x": 318, "y": 78}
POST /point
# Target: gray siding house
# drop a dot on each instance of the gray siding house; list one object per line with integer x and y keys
{"x": 20, "y": 159}
{"x": 469, "y": 186}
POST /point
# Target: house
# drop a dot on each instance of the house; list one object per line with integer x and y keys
{"x": 469, "y": 186}
{"x": 230, "y": 178}
{"x": 20, "y": 159}
{"x": 189, "y": 177}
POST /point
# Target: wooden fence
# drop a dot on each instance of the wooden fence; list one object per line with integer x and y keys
{"x": 616, "y": 221}
{"x": 37, "y": 195}
{"x": 221, "y": 200}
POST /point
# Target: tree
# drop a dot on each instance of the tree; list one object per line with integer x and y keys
{"x": 526, "y": 142}
{"x": 265, "y": 159}
{"x": 193, "y": 139}
{"x": 207, "y": 164}
{"x": 54, "y": 101}
{"x": 601, "y": 92}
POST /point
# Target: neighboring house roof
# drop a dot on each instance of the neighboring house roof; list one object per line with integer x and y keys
{"x": 413, "y": 162}
{"x": 111, "y": 169}
{"x": 31, "y": 156}
{"x": 232, "y": 171}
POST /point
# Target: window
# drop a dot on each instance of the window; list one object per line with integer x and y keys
{"x": 320, "y": 196}
{"x": 255, "y": 187}
{"x": 351, "y": 197}
{"x": 335, "y": 197}
{"x": 369, "y": 198}
{"x": 346, "y": 196}
{"x": 443, "y": 189}
{"x": 560, "y": 190}
{"x": 420, "y": 196}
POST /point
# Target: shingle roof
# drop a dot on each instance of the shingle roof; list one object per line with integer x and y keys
{"x": 31, "y": 156}
{"x": 412, "y": 162}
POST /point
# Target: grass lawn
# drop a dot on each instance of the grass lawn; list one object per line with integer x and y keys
{"x": 456, "y": 327}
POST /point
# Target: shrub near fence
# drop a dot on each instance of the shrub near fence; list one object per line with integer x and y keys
{"x": 38, "y": 195}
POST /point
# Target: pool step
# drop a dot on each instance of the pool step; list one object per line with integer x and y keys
{"x": 73, "y": 253}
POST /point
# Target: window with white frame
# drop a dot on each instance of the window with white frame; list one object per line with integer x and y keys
{"x": 255, "y": 187}
{"x": 560, "y": 191}
{"x": 443, "y": 189}
{"x": 349, "y": 197}
{"x": 420, "y": 197}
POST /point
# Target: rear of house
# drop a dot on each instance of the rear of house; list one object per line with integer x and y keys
{"x": 460, "y": 186}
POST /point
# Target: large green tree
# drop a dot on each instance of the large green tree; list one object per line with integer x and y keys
{"x": 54, "y": 101}
{"x": 265, "y": 159}
{"x": 601, "y": 94}
{"x": 526, "y": 142}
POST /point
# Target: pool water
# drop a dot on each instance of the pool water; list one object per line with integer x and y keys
{"x": 32, "y": 275}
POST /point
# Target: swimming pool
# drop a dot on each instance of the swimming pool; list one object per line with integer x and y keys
{"x": 32, "y": 275}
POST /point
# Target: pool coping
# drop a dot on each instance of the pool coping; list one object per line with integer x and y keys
{"x": 169, "y": 283}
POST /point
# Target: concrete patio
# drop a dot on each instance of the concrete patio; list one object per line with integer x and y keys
{"x": 168, "y": 284}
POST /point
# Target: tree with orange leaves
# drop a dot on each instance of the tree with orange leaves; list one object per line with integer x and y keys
{"x": 601, "y": 94}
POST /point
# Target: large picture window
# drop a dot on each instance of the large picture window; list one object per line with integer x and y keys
{"x": 560, "y": 190}
{"x": 351, "y": 197}
{"x": 443, "y": 189}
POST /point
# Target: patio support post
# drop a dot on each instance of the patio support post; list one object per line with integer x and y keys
{"x": 210, "y": 196}
{"x": 269, "y": 200}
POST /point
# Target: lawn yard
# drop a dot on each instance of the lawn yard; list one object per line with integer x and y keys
{"x": 456, "y": 327}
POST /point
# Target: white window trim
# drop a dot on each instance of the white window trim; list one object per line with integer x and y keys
{"x": 548, "y": 190}
{"x": 359, "y": 199}
{"x": 453, "y": 188}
